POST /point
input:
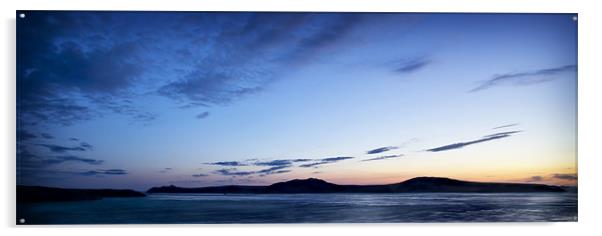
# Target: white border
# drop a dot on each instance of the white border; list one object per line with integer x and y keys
{"x": 589, "y": 116}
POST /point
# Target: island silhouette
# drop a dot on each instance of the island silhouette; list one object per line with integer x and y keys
{"x": 50, "y": 194}
{"x": 310, "y": 185}
{"x": 418, "y": 184}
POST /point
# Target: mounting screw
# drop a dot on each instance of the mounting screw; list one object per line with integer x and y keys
{"x": 22, "y": 15}
{"x": 22, "y": 221}
{"x": 574, "y": 18}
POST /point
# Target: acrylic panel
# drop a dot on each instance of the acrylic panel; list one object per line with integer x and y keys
{"x": 127, "y": 117}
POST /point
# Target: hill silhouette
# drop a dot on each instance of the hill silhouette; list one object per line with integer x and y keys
{"x": 418, "y": 184}
{"x": 49, "y": 194}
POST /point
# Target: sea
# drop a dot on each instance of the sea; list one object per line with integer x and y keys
{"x": 306, "y": 208}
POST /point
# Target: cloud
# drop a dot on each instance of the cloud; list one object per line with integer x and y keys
{"x": 383, "y": 157}
{"x": 412, "y": 65}
{"x": 278, "y": 169}
{"x": 525, "y": 78}
{"x": 104, "y": 172}
{"x": 200, "y": 175}
{"x": 325, "y": 161}
{"x": 62, "y": 149}
{"x": 502, "y": 134}
{"x": 186, "y": 181}
{"x": 380, "y": 150}
{"x": 505, "y": 126}
{"x": 565, "y": 176}
{"x": 272, "y": 169}
{"x": 86, "y": 145}
{"x": 335, "y": 159}
{"x": 202, "y": 115}
{"x": 122, "y": 105}
{"x": 250, "y": 51}
{"x": 35, "y": 159}
{"x": 233, "y": 172}
{"x": 46, "y": 136}
{"x": 281, "y": 162}
{"x": 61, "y": 159}
{"x": 277, "y": 166}
{"x": 226, "y": 163}
{"x": 28, "y": 159}
{"x": 48, "y": 93}
{"x": 83, "y": 146}
{"x": 315, "y": 164}
{"x": 24, "y": 135}
{"x": 275, "y": 172}
{"x": 274, "y": 163}
{"x": 165, "y": 170}
{"x": 256, "y": 162}
{"x": 536, "y": 178}
{"x": 77, "y": 66}
{"x": 463, "y": 144}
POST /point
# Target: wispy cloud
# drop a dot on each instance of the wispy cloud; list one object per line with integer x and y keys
{"x": 481, "y": 140}
{"x": 323, "y": 161}
{"x": 71, "y": 158}
{"x": 257, "y": 162}
{"x": 202, "y": 115}
{"x": 536, "y": 178}
{"x": 525, "y": 78}
{"x": 38, "y": 162}
{"x": 382, "y": 149}
{"x": 233, "y": 172}
{"x": 280, "y": 162}
{"x": 277, "y": 166}
{"x": 335, "y": 159}
{"x": 383, "y": 157}
{"x": 227, "y": 163}
{"x": 274, "y": 170}
{"x": 46, "y": 100}
{"x": 502, "y": 134}
{"x": 46, "y": 136}
{"x": 254, "y": 49}
{"x": 28, "y": 159}
{"x": 86, "y": 145}
{"x": 82, "y": 146}
{"x": 24, "y": 135}
{"x": 539, "y": 178}
{"x": 505, "y": 126}
{"x": 411, "y": 65}
{"x": 283, "y": 162}
{"x": 200, "y": 175}
{"x": 62, "y": 149}
{"x": 104, "y": 172}
{"x": 565, "y": 176}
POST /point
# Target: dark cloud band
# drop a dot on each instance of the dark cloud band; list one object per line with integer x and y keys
{"x": 463, "y": 144}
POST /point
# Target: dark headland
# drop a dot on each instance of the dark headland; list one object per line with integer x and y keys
{"x": 415, "y": 185}
{"x": 48, "y": 194}
{"x": 311, "y": 185}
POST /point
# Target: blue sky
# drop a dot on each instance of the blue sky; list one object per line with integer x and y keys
{"x": 139, "y": 99}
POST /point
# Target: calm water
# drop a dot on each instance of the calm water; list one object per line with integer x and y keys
{"x": 308, "y": 208}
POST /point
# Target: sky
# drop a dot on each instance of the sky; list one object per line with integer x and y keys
{"x": 143, "y": 99}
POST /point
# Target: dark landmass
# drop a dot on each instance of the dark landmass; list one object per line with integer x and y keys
{"x": 48, "y": 194}
{"x": 415, "y": 185}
